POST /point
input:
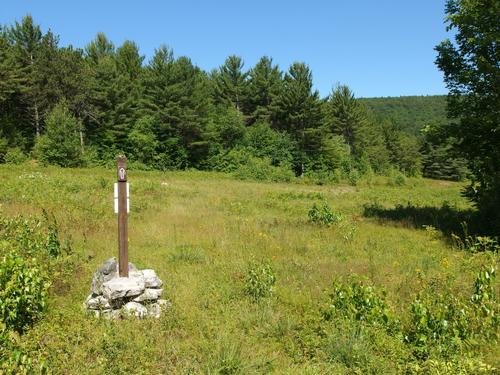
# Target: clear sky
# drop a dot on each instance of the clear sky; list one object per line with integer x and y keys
{"x": 378, "y": 48}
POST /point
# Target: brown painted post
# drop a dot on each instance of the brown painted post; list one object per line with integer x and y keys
{"x": 121, "y": 162}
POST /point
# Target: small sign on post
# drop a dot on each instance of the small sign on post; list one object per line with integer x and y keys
{"x": 122, "y": 208}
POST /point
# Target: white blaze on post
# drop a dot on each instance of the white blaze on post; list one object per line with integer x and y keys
{"x": 116, "y": 198}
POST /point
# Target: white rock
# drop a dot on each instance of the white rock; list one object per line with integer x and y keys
{"x": 106, "y": 272}
{"x": 111, "y": 314}
{"x": 164, "y": 304}
{"x": 149, "y": 295}
{"x": 135, "y": 309}
{"x": 97, "y": 303}
{"x": 121, "y": 287}
{"x": 151, "y": 280}
{"x": 99, "y": 313}
{"x": 154, "y": 310}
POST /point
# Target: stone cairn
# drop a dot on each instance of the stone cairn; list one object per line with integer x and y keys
{"x": 118, "y": 297}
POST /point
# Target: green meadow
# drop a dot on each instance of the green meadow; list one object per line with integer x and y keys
{"x": 253, "y": 281}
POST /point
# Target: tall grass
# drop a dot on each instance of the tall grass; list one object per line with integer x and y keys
{"x": 201, "y": 231}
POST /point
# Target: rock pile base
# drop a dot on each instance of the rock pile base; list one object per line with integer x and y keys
{"x": 138, "y": 295}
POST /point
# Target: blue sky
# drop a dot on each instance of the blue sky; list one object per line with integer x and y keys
{"x": 378, "y": 48}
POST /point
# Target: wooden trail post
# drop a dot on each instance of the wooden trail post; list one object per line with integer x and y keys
{"x": 121, "y": 162}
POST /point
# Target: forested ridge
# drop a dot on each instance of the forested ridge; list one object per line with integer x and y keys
{"x": 410, "y": 113}
{"x": 76, "y": 107}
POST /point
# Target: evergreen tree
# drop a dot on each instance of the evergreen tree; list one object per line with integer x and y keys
{"x": 176, "y": 94}
{"x": 264, "y": 87}
{"x": 231, "y": 83}
{"x": 27, "y": 37}
{"x": 127, "y": 88}
{"x": 102, "y": 74}
{"x": 60, "y": 75}
{"x": 347, "y": 118}
{"x": 12, "y": 87}
{"x": 300, "y": 113}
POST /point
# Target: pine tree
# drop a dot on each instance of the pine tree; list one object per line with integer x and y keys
{"x": 27, "y": 37}
{"x": 231, "y": 83}
{"x": 176, "y": 94}
{"x": 346, "y": 117}
{"x": 127, "y": 88}
{"x": 102, "y": 74}
{"x": 264, "y": 87}
{"x": 300, "y": 113}
{"x": 12, "y": 87}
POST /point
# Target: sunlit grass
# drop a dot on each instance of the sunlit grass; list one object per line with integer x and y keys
{"x": 200, "y": 231}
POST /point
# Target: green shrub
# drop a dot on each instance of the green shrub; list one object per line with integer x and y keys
{"x": 486, "y": 317}
{"x": 323, "y": 215}
{"x": 353, "y": 177}
{"x": 322, "y": 176}
{"x": 262, "y": 170}
{"x": 396, "y": 178}
{"x": 14, "y": 156}
{"x": 23, "y": 291}
{"x": 32, "y": 237}
{"x": 243, "y": 165}
{"x": 262, "y": 141}
{"x": 230, "y": 161}
{"x": 443, "y": 323}
{"x": 355, "y": 300}
{"x": 455, "y": 366}
{"x": 60, "y": 145}
{"x": 259, "y": 281}
{"x": 437, "y": 322}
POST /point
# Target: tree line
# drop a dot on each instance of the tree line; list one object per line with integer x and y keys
{"x": 74, "y": 107}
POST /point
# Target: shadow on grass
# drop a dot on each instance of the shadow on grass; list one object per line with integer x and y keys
{"x": 446, "y": 218}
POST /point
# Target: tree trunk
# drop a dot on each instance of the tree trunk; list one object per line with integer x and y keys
{"x": 37, "y": 120}
{"x": 81, "y": 139}
{"x": 35, "y": 106}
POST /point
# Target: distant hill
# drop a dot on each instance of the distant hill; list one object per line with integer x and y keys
{"x": 409, "y": 113}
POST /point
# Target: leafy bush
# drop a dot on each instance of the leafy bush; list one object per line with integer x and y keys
{"x": 259, "y": 281}
{"x": 30, "y": 248}
{"x": 353, "y": 177}
{"x": 323, "y": 215}
{"x": 230, "y": 161}
{"x": 32, "y": 237}
{"x": 437, "y": 322}
{"x": 263, "y": 142}
{"x": 486, "y": 317}
{"x": 14, "y": 156}
{"x": 60, "y": 144}
{"x": 457, "y": 365}
{"x": 323, "y": 176}
{"x": 243, "y": 165}
{"x": 477, "y": 244}
{"x": 23, "y": 291}
{"x": 262, "y": 170}
{"x": 444, "y": 323}
{"x": 142, "y": 141}
{"x": 396, "y": 178}
{"x": 355, "y": 300}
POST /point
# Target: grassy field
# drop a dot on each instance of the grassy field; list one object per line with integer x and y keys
{"x": 202, "y": 232}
